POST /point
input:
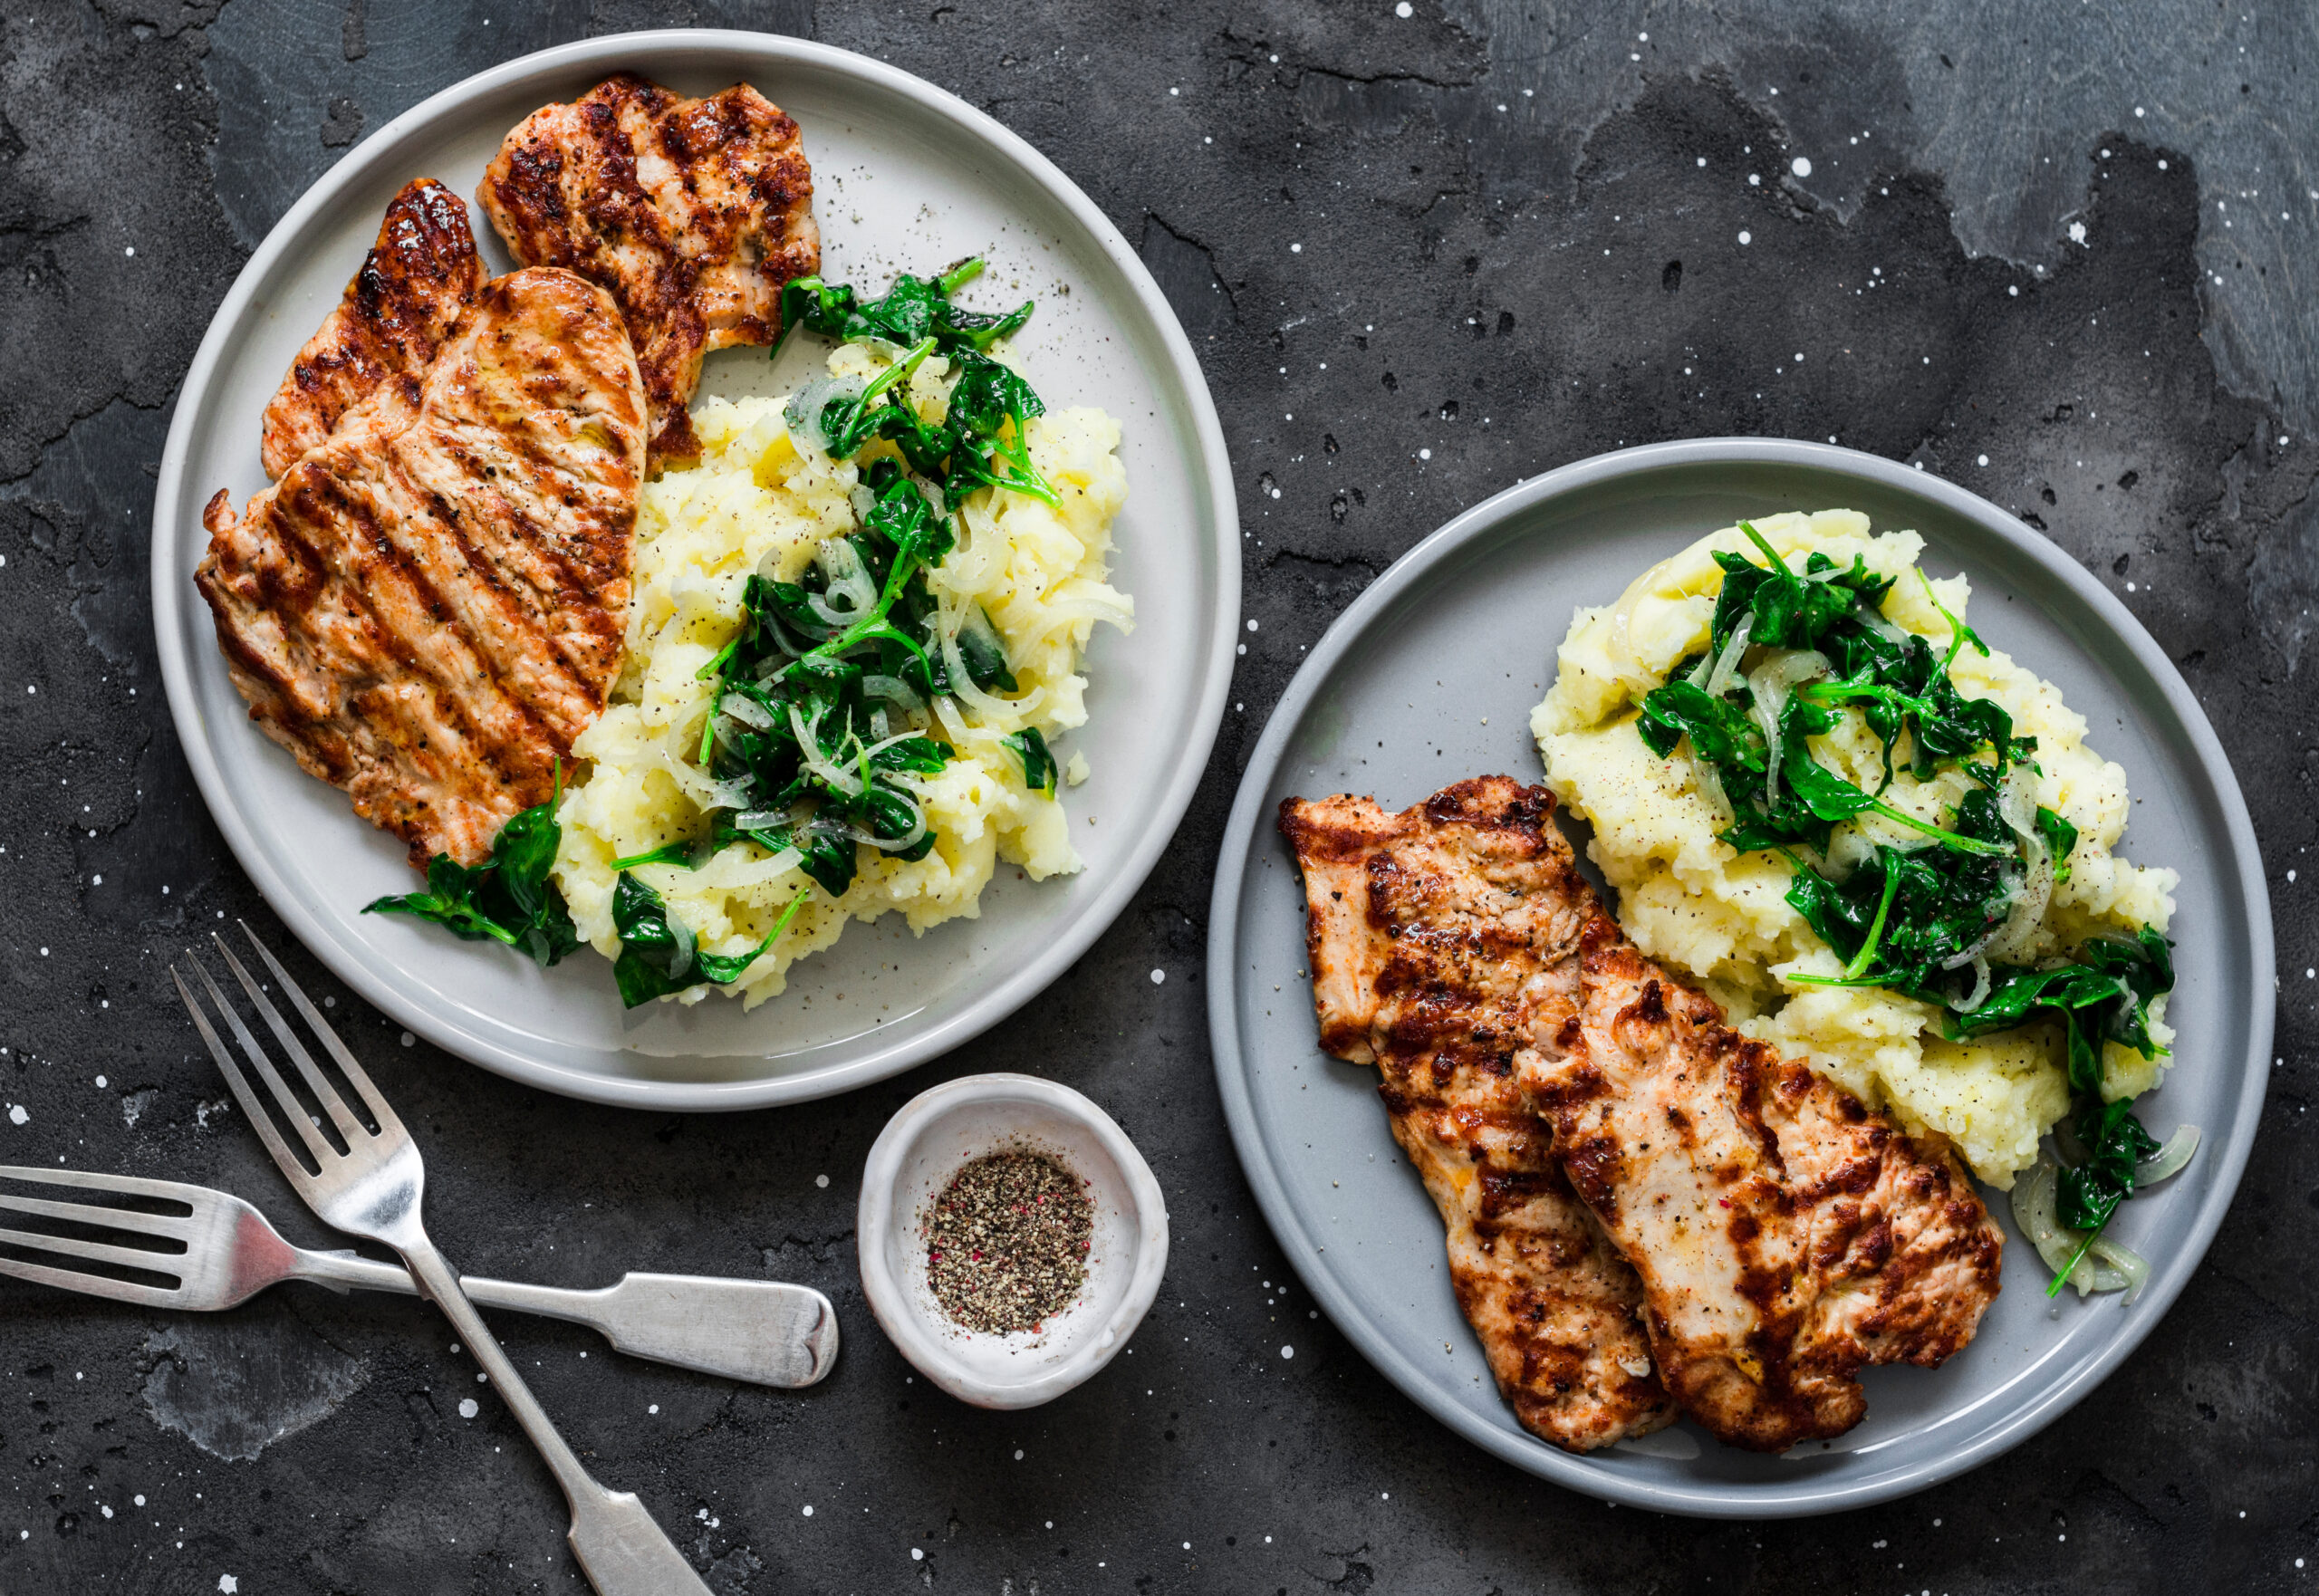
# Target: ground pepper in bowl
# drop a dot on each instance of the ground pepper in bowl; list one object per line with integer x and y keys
{"x": 1007, "y": 1242}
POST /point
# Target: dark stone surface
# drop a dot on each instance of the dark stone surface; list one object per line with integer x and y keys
{"x": 1511, "y": 256}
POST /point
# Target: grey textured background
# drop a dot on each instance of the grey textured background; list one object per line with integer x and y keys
{"x": 2068, "y": 239}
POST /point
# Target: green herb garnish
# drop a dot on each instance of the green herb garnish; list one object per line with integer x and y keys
{"x": 657, "y": 955}
{"x": 510, "y": 899}
{"x": 980, "y": 442}
{"x": 1907, "y": 918}
{"x": 823, "y": 709}
{"x": 1038, "y": 762}
{"x": 818, "y": 720}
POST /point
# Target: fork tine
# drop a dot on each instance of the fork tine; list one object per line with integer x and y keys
{"x": 134, "y": 1185}
{"x": 324, "y": 1092}
{"x": 260, "y": 1121}
{"x": 292, "y": 1109}
{"x": 371, "y": 1098}
{"x": 96, "y": 1285}
{"x": 129, "y": 1219}
{"x": 73, "y": 1246}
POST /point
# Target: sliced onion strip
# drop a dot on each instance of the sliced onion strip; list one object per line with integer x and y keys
{"x": 809, "y": 754}
{"x": 888, "y": 844}
{"x": 1726, "y": 664}
{"x": 2131, "y": 1267}
{"x": 848, "y": 579}
{"x": 1768, "y": 686}
{"x": 1874, "y": 621}
{"x": 1980, "y": 992}
{"x": 2168, "y": 1160}
{"x": 2018, "y": 804}
{"x": 894, "y": 690}
{"x": 2105, "y": 1266}
{"x": 747, "y": 710}
{"x": 681, "y": 934}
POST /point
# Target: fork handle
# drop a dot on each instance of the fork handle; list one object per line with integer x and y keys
{"x": 766, "y": 1331}
{"x": 619, "y": 1548}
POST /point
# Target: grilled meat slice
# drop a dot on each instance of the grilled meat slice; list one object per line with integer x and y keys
{"x": 1428, "y": 932}
{"x": 419, "y": 278}
{"x": 1786, "y": 1236}
{"x": 692, "y": 212}
{"x": 430, "y": 607}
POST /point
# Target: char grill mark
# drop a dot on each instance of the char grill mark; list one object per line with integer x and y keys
{"x": 428, "y": 609}
{"x": 416, "y": 283}
{"x": 1426, "y": 931}
{"x": 1786, "y": 1236}
{"x": 693, "y": 213}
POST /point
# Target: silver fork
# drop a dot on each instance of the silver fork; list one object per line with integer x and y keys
{"x": 372, "y": 1189}
{"x": 762, "y": 1330}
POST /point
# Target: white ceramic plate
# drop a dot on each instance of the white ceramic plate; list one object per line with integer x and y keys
{"x": 905, "y": 176}
{"x": 1430, "y": 677}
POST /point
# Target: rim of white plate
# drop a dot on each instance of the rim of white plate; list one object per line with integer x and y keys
{"x": 171, "y": 588}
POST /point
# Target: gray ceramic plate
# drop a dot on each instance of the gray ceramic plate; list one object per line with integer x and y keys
{"x": 905, "y": 175}
{"x": 1430, "y": 677}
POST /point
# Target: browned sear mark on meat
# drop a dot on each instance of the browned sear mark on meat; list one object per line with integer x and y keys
{"x": 1786, "y": 1236}
{"x": 693, "y": 213}
{"x": 428, "y": 607}
{"x": 418, "y": 279}
{"x": 1426, "y": 931}
{"x": 1645, "y": 1169}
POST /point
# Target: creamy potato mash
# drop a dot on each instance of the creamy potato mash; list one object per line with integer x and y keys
{"x": 759, "y": 501}
{"x": 1722, "y": 917}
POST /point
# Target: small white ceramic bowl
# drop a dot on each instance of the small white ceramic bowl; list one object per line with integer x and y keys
{"x": 914, "y": 1157}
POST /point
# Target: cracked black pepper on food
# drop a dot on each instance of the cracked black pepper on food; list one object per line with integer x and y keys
{"x": 1007, "y": 1242}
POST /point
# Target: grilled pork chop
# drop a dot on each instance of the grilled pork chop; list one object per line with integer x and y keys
{"x": 693, "y": 211}
{"x": 1427, "y": 932}
{"x": 419, "y": 278}
{"x": 1786, "y": 1236}
{"x": 429, "y": 606}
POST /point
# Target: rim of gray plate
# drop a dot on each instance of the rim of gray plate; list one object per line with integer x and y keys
{"x": 1711, "y": 1499}
{"x": 555, "y": 69}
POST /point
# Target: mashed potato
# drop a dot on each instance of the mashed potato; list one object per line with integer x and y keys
{"x": 1690, "y": 901}
{"x": 757, "y": 500}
